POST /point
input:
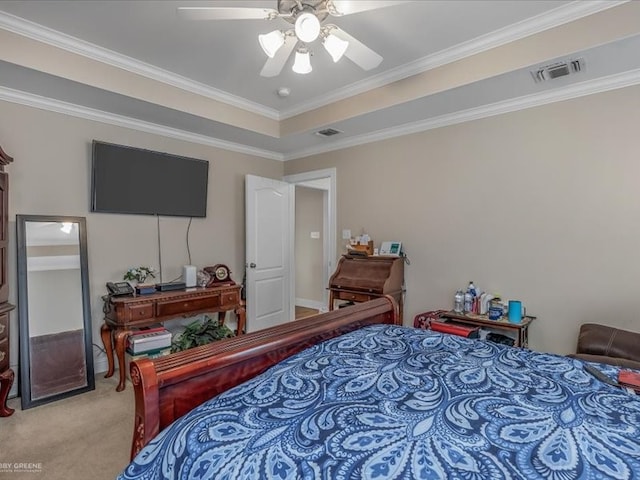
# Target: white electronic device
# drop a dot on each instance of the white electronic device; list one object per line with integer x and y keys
{"x": 393, "y": 249}
{"x": 189, "y": 275}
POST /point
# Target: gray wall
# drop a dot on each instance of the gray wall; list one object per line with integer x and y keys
{"x": 540, "y": 205}
{"x": 55, "y": 302}
{"x": 308, "y": 251}
{"x": 50, "y": 175}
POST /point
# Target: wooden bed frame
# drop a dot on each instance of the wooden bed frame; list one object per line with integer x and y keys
{"x": 166, "y": 388}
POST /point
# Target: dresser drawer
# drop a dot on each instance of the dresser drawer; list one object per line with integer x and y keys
{"x": 179, "y": 307}
{"x": 4, "y": 326}
{"x": 139, "y": 312}
{"x": 230, "y": 298}
{"x": 354, "y": 297}
{"x": 4, "y": 355}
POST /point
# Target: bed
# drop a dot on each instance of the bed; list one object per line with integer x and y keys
{"x": 352, "y": 394}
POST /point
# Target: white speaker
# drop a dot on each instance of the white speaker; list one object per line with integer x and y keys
{"x": 189, "y": 275}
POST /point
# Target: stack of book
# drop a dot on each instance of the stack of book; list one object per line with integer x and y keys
{"x": 148, "y": 339}
{"x": 151, "y": 342}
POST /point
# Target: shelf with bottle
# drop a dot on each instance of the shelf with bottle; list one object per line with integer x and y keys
{"x": 519, "y": 331}
{"x": 483, "y": 303}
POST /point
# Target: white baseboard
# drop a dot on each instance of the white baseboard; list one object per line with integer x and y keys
{"x": 100, "y": 365}
{"x": 303, "y": 302}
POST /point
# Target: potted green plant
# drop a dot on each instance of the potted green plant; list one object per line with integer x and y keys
{"x": 200, "y": 333}
{"x": 139, "y": 274}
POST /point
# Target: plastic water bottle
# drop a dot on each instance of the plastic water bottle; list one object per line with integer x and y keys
{"x": 472, "y": 289}
{"x": 468, "y": 302}
{"x": 458, "y": 302}
{"x": 470, "y": 299}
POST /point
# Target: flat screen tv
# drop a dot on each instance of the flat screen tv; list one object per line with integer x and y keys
{"x": 137, "y": 181}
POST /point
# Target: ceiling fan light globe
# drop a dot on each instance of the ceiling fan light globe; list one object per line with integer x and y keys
{"x": 335, "y": 47}
{"x": 302, "y": 63}
{"x": 307, "y": 27}
{"x": 271, "y": 42}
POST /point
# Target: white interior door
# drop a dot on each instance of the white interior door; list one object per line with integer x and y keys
{"x": 269, "y": 255}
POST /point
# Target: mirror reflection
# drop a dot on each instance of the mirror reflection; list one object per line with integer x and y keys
{"x": 55, "y": 327}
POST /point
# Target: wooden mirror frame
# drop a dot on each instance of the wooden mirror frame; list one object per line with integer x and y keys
{"x": 27, "y": 399}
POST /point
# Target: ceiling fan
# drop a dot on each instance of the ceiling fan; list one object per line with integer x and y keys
{"x": 307, "y": 18}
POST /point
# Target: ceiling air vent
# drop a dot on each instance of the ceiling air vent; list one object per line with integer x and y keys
{"x": 557, "y": 70}
{"x": 328, "y": 132}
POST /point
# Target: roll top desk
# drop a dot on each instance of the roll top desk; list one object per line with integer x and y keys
{"x": 360, "y": 279}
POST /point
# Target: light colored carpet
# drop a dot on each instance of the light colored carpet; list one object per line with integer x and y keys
{"x": 80, "y": 437}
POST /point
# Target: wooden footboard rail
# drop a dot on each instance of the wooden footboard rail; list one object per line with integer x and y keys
{"x": 166, "y": 388}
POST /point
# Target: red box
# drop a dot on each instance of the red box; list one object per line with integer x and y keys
{"x": 455, "y": 329}
{"x": 629, "y": 378}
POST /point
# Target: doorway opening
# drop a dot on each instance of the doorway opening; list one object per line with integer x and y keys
{"x": 315, "y": 236}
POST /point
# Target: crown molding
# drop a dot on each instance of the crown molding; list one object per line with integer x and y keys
{"x": 590, "y": 87}
{"x": 582, "y": 89}
{"x": 573, "y": 11}
{"x": 554, "y": 18}
{"x": 71, "y": 44}
{"x": 43, "y": 103}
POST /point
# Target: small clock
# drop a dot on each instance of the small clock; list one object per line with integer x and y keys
{"x": 220, "y": 274}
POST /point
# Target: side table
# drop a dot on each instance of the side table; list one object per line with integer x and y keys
{"x": 128, "y": 313}
{"x": 521, "y": 328}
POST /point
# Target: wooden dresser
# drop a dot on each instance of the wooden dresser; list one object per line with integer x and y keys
{"x": 360, "y": 279}
{"x": 128, "y": 313}
{"x": 6, "y": 374}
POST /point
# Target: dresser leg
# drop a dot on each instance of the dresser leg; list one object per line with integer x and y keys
{"x": 241, "y": 315}
{"x": 120, "y": 338}
{"x": 107, "y": 341}
{"x": 6, "y": 380}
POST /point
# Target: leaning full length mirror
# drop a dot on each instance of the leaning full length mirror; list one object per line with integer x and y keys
{"x": 56, "y": 358}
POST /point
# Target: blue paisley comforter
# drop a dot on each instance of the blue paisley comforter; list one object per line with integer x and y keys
{"x": 389, "y": 402}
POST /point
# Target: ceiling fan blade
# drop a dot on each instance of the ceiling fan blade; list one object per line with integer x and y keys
{"x": 345, "y": 7}
{"x": 357, "y": 51}
{"x": 273, "y": 66}
{"x": 226, "y": 13}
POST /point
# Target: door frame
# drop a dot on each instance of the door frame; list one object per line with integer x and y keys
{"x": 329, "y": 245}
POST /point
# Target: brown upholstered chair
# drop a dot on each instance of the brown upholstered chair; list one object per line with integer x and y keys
{"x": 600, "y": 343}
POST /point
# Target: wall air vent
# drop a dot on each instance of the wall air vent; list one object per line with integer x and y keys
{"x": 557, "y": 70}
{"x": 328, "y": 132}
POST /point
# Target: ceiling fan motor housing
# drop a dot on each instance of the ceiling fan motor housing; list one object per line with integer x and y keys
{"x": 307, "y": 17}
{"x": 292, "y": 8}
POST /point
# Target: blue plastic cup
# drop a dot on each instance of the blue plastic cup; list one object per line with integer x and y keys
{"x": 515, "y": 311}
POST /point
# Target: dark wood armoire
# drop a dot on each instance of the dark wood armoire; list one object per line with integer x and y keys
{"x": 6, "y": 374}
